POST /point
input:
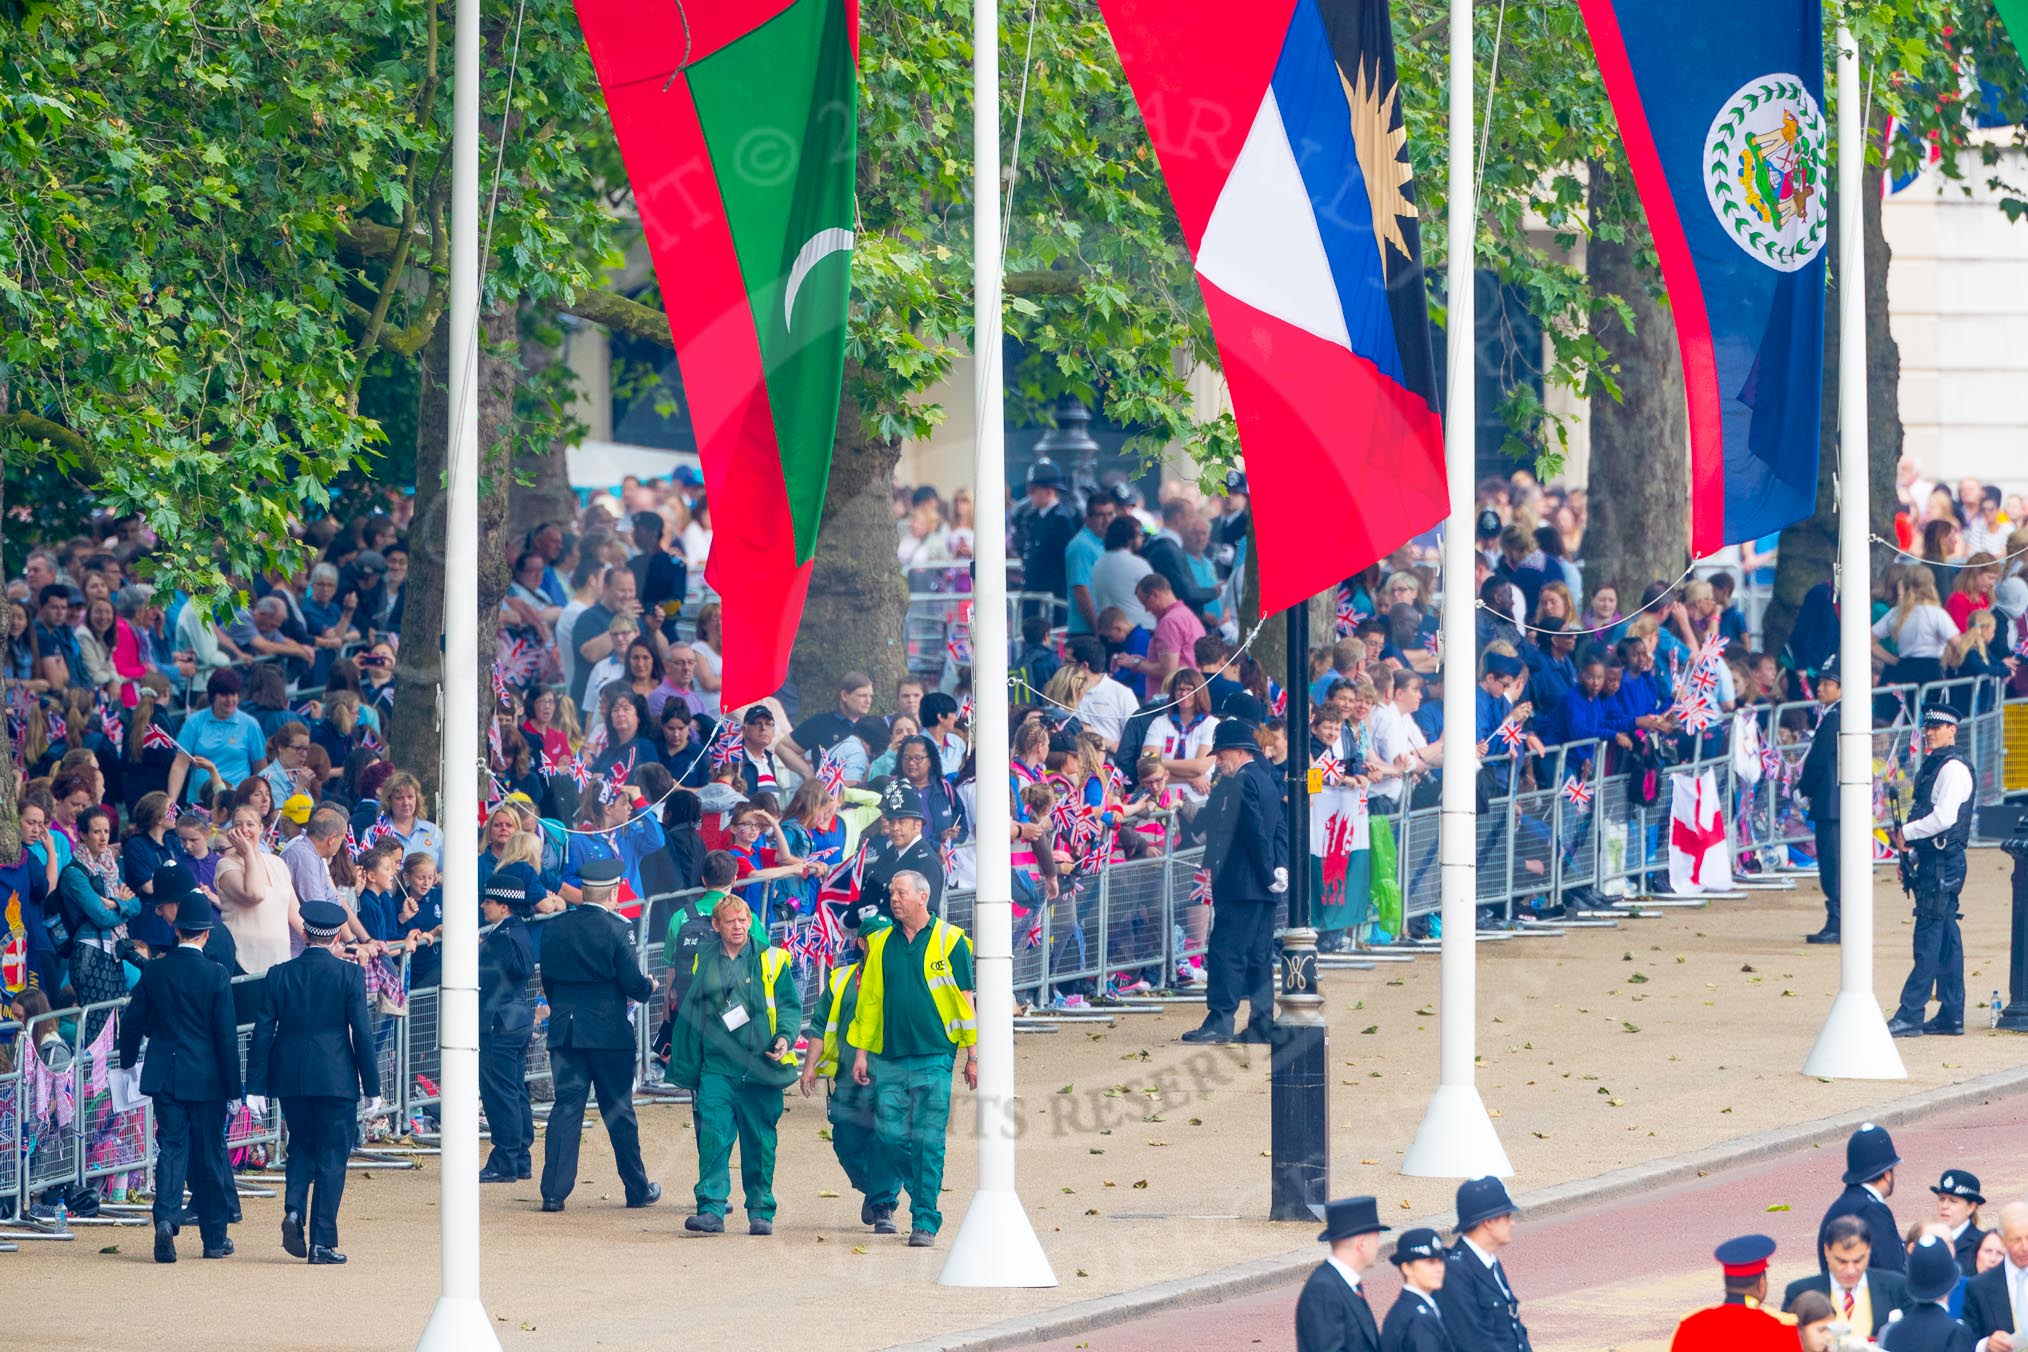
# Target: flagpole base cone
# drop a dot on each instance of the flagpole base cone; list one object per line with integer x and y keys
{"x": 1855, "y": 1044}
{"x": 1456, "y": 1139}
{"x": 996, "y": 1246}
{"x": 458, "y": 1325}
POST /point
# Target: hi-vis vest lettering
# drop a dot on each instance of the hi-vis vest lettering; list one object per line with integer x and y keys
{"x": 954, "y": 1007}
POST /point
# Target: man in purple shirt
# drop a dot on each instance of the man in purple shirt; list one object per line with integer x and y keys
{"x": 1177, "y": 630}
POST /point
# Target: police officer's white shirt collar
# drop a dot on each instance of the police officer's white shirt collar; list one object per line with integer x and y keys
{"x": 1963, "y": 1226}
{"x": 1484, "y": 1257}
{"x": 1874, "y": 1193}
{"x": 1428, "y": 1298}
{"x": 1345, "y": 1271}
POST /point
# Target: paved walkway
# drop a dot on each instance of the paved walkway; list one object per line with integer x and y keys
{"x": 1617, "y": 1277}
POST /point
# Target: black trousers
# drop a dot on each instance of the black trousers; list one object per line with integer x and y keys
{"x": 609, "y": 1073}
{"x": 321, "y": 1133}
{"x": 1239, "y": 963}
{"x": 190, "y": 1147}
{"x": 1939, "y": 950}
{"x": 1827, "y": 869}
{"x": 503, "y": 1090}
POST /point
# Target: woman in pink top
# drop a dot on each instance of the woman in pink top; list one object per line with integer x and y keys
{"x": 1974, "y": 589}
{"x": 256, "y": 897}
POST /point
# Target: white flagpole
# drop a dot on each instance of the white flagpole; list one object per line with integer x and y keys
{"x": 1456, "y": 1138}
{"x": 996, "y": 1244}
{"x": 459, "y": 1322}
{"x": 1854, "y": 1044}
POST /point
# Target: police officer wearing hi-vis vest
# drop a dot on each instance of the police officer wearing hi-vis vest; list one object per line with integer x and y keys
{"x": 1935, "y": 840}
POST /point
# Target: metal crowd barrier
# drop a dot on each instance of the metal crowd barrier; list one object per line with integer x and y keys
{"x": 1141, "y": 920}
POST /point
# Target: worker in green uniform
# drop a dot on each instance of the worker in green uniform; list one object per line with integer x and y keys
{"x": 915, "y": 1010}
{"x": 731, "y": 1050}
{"x": 851, "y": 1105}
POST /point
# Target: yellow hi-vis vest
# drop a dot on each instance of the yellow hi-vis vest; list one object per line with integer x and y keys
{"x": 772, "y": 959}
{"x": 841, "y": 981}
{"x": 954, "y": 1007}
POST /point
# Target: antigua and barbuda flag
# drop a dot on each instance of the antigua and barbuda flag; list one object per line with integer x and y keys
{"x": 1720, "y": 106}
{"x": 738, "y": 121}
{"x": 1278, "y": 127}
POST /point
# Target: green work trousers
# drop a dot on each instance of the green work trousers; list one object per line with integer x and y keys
{"x": 853, "y": 1139}
{"x": 912, "y": 1110}
{"x": 729, "y": 1111}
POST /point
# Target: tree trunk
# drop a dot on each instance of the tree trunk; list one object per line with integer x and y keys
{"x": 853, "y": 619}
{"x": 1809, "y": 547}
{"x": 414, "y": 734}
{"x": 548, "y": 495}
{"x": 1640, "y": 462}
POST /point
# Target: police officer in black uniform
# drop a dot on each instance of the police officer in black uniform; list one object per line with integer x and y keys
{"x": 1935, "y": 840}
{"x": 1045, "y": 525}
{"x": 313, "y": 1050}
{"x": 183, "y": 1007}
{"x": 589, "y": 973}
{"x": 906, "y": 848}
{"x": 506, "y": 1026}
{"x": 1479, "y": 1301}
{"x": 1246, "y": 846}
{"x": 1817, "y": 781}
{"x": 1869, "y": 1181}
{"x": 1927, "y": 1325}
{"x": 1416, "y": 1323}
{"x": 1967, "y": 1236}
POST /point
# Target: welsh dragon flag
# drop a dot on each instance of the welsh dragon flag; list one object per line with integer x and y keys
{"x": 738, "y": 122}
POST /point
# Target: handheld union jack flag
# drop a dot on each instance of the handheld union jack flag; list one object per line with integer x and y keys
{"x": 518, "y": 660}
{"x": 615, "y": 786}
{"x": 1695, "y": 714}
{"x": 1034, "y": 938}
{"x": 947, "y": 851}
{"x": 156, "y": 737}
{"x": 959, "y": 645}
{"x": 1704, "y": 680}
{"x": 59, "y": 730}
{"x": 1279, "y": 705}
{"x": 1200, "y": 887}
{"x": 1508, "y": 734}
{"x": 352, "y": 850}
{"x": 381, "y": 827}
{"x": 109, "y": 723}
{"x": 967, "y": 710}
{"x": 579, "y": 770}
{"x": 1770, "y": 761}
{"x": 370, "y": 739}
{"x": 1349, "y": 616}
{"x": 841, "y": 884}
{"x": 1330, "y": 770}
{"x": 2021, "y": 648}
{"x": 725, "y": 747}
{"x": 1577, "y": 792}
{"x": 831, "y": 774}
{"x": 499, "y": 684}
{"x": 1712, "y": 652}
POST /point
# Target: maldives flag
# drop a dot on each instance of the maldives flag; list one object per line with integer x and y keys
{"x": 1721, "y": 110}
{"x": 1278, "y": 127}
{"x": 738, "y": 122}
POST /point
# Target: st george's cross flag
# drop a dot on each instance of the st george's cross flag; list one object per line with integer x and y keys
{"x": 1720, "y": 107}
{"x": 1278, "y": 127}
{"x": 738, "y": 122}
{"x": 1700, "y": 859}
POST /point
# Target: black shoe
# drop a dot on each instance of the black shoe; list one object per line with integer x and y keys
{"x": 224, "y": 1249}
{"x": 523, "y": 1175}
{"x": 323, "y": 1257}
{"x": 705, "y": 1223}
{"x": 551, "y": 1205}
{"x": 757, "y": 1225}
{"x": 1827, "y": 935}
{"x": 1208, "y": 1032}
{"x": 292, "y": 1235}
{"x": 884, "y": 1225}
{"x": 494, "y": 1176}
{"x": 1904, "y": 1028}
{"x": 1257, "y": 1037}
{"x": 648, "y": 1198}
{"x": 1938, "y": 1028}
{"x": 165, "y": 1242}
{"x": 868, "y": 1213}
{"x": 921, "y": 1239}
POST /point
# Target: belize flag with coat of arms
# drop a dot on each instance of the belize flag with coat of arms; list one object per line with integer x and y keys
{"x": 1720, "y": 107}
{"x": 1278, "y": 127}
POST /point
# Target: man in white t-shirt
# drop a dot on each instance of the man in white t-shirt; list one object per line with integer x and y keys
{"x": 1118, "y": 569}
{"x": 1395, "y": 735}
{"x": 1106, "y": 705}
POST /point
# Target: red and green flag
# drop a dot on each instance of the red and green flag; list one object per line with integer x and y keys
{"x": 738, "y": 122}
